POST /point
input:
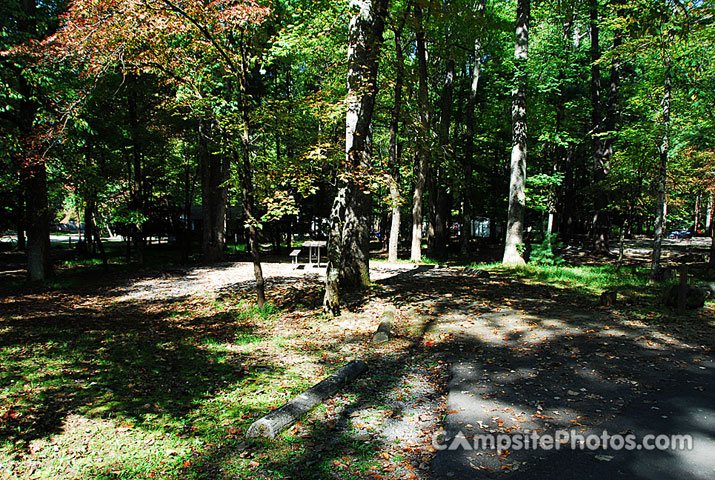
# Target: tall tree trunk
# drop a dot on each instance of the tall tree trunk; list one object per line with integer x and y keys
{"x": 517, "y": 197}
{"x": 601, "y": 154}
{"x": 709, "y": 214}
{"x": 365, "y": 39}
{"x": 470, "y": 146}
{"x": 422, "y": 157}
{"x": 442, "y": 197}
{"x": 20, "y": 218}
{"x": 92, "y": 234}
{"x": 355, "y": 265}
{"x": 33, "y": 170}
{"x": 331, "y": 301}
{"x": 348, "y": 250}
{"x": 664, "y": 150}
{"x": 563, "y": 203}
{"x": 394, "y": 153}
{"x": 138, "y": 183}
{"x": 247, "y": 190}
{"x": 248, "y": 201}
{"x": 34, "y": 178}
{"x": 214, "y": 194}
{"x": 188, "y": 200}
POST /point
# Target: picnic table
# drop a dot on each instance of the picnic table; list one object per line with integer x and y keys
{"x": 317, "y": 244}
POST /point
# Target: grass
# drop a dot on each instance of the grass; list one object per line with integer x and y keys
{"x": 96, "y": 389}
{"x": 585, "y": 278}
{"x": 166, "y": 391}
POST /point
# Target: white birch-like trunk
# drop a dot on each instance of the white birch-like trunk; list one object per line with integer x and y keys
{"x": 661, "y": 204}
{"x": 422, "y": 157}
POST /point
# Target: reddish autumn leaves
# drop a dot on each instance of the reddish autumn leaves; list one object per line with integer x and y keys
{"x": 171, "y": 38}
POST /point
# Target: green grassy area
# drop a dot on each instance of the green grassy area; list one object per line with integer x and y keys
{"x": 638, "y": 298}
{"x": 126, "y": 392}
{"x": 583, "y": 278}
{"x": 92, "y": 388}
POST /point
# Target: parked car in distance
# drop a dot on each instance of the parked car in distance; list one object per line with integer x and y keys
{"x": 681, "y": 234}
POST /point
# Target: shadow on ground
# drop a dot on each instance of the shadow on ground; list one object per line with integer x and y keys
{"x": 524, "y": 357}
{"x": 126, "y": 361}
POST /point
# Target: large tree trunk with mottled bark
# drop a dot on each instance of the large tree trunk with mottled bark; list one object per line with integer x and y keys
{"x": 355, "y": 267}
{"x": 34, "y": 178}
{"x": 331, "y": 301}
{"x": 517, "y": 197}
{"x": 348, "y": 250}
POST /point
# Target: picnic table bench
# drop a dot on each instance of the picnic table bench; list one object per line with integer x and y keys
{"x": 294, "y": 256}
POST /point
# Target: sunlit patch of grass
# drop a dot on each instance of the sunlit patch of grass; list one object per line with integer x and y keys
{"x": 88, "y": 261}
{"x": 133, "y": 392}
{"x": 279, "y": 341}
{"x": 239, "y": 248}
{"x": 584, "y": 278}
{"x": 252, "y": 312}
{"x": 246, "y": 338}
{"x": 485, "y": 266}
{"x": 130, "y": 408}
{"x": 99, "y": 448}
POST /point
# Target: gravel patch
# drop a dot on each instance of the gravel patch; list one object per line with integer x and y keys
{"x": 211, "y": 281}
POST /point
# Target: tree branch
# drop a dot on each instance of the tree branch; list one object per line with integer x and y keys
{"x": 204, "y": 31}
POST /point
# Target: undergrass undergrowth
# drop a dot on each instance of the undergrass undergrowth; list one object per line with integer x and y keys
{"x": 589, "y": 278}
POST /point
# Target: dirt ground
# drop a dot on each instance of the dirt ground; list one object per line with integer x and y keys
{"x": 471, "y": 354}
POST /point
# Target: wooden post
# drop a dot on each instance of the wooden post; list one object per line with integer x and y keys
{"x": 682, "y": 289}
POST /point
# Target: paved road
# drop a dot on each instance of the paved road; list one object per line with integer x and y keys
{"x": 584, "y": 379}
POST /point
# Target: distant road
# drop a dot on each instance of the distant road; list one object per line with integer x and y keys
{"x": 63, "y": 238}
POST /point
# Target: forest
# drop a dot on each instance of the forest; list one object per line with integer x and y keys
{"x": 496, "y": 151}
{"x": 124, "y": 115}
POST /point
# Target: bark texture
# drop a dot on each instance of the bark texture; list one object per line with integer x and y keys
{"x": 349, "y": 246}
{"x": 517, "y": 197}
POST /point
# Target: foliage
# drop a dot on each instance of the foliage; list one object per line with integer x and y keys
{"x": 546, "y": 252}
